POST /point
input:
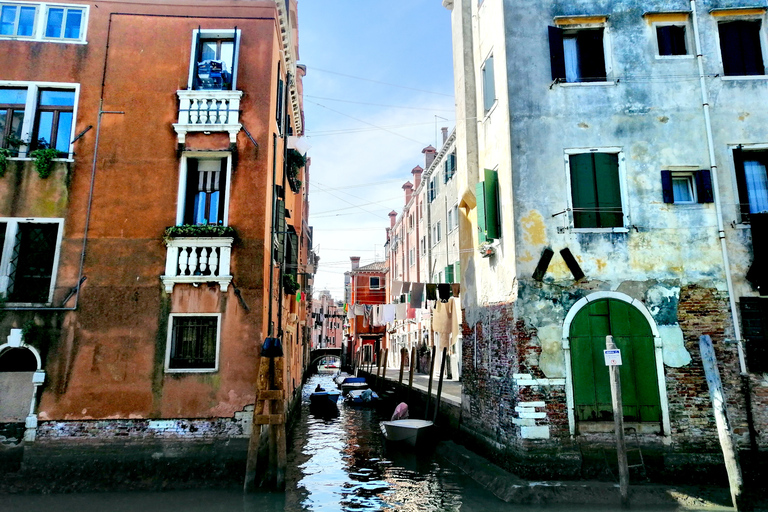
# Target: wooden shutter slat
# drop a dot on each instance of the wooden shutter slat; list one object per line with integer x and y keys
{"x": 666, "y": 187}
{"x": 556, "y": 53}
{"x": 704, "y": 192}
{"x": 481, "y": 227}
{"x": 492, "y": 205}
{"x": 608, "y": 190}
{"x": 583, "y": 192}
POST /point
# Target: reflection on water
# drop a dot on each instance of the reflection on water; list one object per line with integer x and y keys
{"x": 339, "y": 464}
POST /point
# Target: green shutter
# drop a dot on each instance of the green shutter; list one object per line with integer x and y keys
{"x": 293, "y": 261}
{"x": 492, "y": 204}
{"x": 583, "y": 191}
{"x": 449, "y": 274}
{"x": 280, "y": 227}
{"x": 480, "y": 196}
{"x": 608, "y": 190}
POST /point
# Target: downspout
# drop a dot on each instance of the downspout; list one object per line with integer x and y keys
{"x": 720, "y": 228}
{"x": 285, "y": 169}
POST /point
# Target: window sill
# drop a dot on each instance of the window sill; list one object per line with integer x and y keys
{"x": 588, "y": 84}
{"x": 744, "y": 77}
{"x": 650, "y": 427}
{"x": 487, "y": 115}
{"x": 36, "y": 40}
{"x": 191, "y": 370}
{"x": 600, "y": 230}
{"x": 675, "y": 57}
{"x": 28, "y": 159}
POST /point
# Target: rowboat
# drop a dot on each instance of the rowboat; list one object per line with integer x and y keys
{"x": 351, "y": 383}
{"x": 361, "y": 397}
{"x": 408, "y": 430}
{"x": 323, "y": 403}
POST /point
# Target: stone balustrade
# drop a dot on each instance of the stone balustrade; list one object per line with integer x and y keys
{"x": 208, "y": 111}
{"x": 198, "y": 260}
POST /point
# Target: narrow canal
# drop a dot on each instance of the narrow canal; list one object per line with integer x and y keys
{"x": 338, "y": 464}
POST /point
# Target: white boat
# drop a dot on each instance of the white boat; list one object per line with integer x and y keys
{"x": 404, "y": 430}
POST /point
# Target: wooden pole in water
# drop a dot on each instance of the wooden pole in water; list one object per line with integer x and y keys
{"x": 717, "y": 396}
{"x": 431, "y": 373}
{"x": 384, "y": 370}
{"x": 440, "y": 384}
{"x": 378, "y": 369}
{"x": 618, "y": 422}
{"x": 403, "y": 352}
{"x": 410, "y": 375}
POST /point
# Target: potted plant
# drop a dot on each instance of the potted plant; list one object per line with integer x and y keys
{"x": 199, "y": 231}
{"x": 290, "y": 285}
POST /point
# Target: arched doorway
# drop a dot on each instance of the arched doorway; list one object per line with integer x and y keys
{"x": 633, "y": 335}
{"x": 17, "y": 370}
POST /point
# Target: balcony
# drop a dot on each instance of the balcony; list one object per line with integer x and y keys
{"x": 196, "y": 260}
{"x": 208, "y": 111}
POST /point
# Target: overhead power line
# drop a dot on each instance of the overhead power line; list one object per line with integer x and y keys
{"x": 381, "y": 83}
{"x": 381, "y": 104}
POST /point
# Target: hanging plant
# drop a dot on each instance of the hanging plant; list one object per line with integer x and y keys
{"x": 295, "y": 162}
{"x": 5, "y": 154}
{"x": 199, "y": 230}
{"x": 290, "y": 285}
{"x": 44, "y": 161}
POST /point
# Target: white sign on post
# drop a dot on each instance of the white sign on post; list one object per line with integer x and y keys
{"x": 612, "y": 357}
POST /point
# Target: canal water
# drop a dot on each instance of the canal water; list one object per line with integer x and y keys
{"x": 337, "y": 464}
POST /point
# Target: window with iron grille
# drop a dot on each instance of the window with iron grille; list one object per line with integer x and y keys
{"x": 193, "y": 344}
{"x": 30, "y": 252}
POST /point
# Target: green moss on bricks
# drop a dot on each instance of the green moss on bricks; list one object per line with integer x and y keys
{"x": 158, "y": 368}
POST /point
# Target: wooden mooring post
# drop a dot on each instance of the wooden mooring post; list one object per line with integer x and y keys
{"x": 614, "y": 365}
{"x": 715, "y": 385}
{"x": 384, "y": 370}
{"x": 410, "y": 374}
{"x": 431, "y": 374}
{"x": 440, "y": 384}
{"x": 403, "y": 353}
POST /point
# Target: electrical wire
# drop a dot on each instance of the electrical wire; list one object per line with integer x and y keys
{"x": 381, "y": 83}
{"x": 380, "y": 104}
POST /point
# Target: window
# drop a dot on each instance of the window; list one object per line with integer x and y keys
{"x": 53, "y": 126}
{"x": 671, "y": 40}
{"x": 577, "y": 55}
{"x": 17, "y": 20}
{"x": 280, "y": 111}
{"x": 740, "y": 48}
{"x": 410, "y": 222}
{"x": 487, "y": 194}
{"x": 432, "y": 190}
{"x": 687, "y": 187}
{"x": 49, "y": 122}
{"x": 489, "y": 88}
{"x": 754, "y": 320}
{"x": 43, "y": 22}
{"x": 213, "y": 63}
{"x": 204, "y": 189}
{"x": 595, "y": 190}
{"x": 436, "y": 233}
{"x": 29, "y": 258}
{"x": 63, "y": 23}
{"x": 453, "y": 218}
{"x": 374, "y": 283}
{"x": 423, "y": 245}
{"x": 449, "y": 274}
{"x": 752, "y": 181}
{"x": 193, "y": 343}
{"x": 11, "y": 114}
{"x": 450, "y": 167}
{"x": 411, "y": 257}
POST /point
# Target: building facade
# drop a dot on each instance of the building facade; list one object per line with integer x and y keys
{"x": 368, "y": 288}
{"x": 154, "y": 217}
{"x": 606, "y": 178}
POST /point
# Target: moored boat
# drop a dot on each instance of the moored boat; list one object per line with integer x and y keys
{"x": 324, "y": 403}
{"x": 351, "y": 383}
{"x": 361, "y": 397}
{"x": 408, "y": 431}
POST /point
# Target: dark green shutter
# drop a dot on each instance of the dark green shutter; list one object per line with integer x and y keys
{"x": 583, "y": 191}
{"x": 281, "y": 227}
{"x": 608, "y": 190}
{"x": 489, "y": 89}
{"x": 556, "y": 53}
{"x": 488, "y": 207}
{"x": 193, "y": 177}
{"x": 667, "y": 193}
{"x": 293, "y": 261}
{"x": 481, "y": 227}
{"x": 449, "y": 274}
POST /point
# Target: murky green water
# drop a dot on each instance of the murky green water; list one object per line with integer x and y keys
{"x": 339, "y": 464}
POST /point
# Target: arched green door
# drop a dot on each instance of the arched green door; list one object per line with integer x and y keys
{"x": 591, "y": 385}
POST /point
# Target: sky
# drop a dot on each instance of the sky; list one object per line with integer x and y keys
{"x": 379, "y": 87}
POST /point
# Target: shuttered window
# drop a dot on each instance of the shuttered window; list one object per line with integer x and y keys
{"x": 596, "y": 191}
{"x": 449, "y": 274}
{"x": 450, "y": 167}
{"x": 752, "y": 181}
{"x": 280, "y": 228}
{"x": 671, "y": 39}
{"x": 488, "y": 207}
{"x": 292, "y": 264}
{"x": 687, "y": 187}
{"x": 740, "y": 48}
{"x": 754, "y": 321}
{"x": 489, "y": 88}
{"x": 577, "y": 55}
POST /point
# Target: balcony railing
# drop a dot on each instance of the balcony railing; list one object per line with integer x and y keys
{"x": 208, "y": 111}
{"x": 198, "y": 260}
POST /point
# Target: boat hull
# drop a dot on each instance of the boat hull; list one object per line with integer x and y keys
{"x": 407, "y": 431}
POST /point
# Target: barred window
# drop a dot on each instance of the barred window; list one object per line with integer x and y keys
{"x": 193, "y": 343}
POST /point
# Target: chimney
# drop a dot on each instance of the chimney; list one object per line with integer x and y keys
{"x": 408, "y": 187}
{"x": 444, "y": 129}
{"x": 417, "y": 176}
{"x": 429, "y": 156}
{"x": 392, "y": 219}
{"x": 355, "y": 261}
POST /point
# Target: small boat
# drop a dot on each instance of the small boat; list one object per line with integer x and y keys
{"x": 351, "y": 383}
{"x": 408, "y": 430}
{"x": 339, "y": 377}
{"x": 361, "y": 397}
{"x": 323, "y": 403}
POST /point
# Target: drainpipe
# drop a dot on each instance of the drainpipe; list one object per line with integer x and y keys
{"x": 720, "y": 228}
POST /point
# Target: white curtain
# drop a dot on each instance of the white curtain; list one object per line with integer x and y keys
{"x": 571, "y": 54}
{"x": 757, "y": 186}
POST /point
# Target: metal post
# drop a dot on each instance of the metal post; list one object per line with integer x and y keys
{"x": 717, "y": 396}
{"x": 440, "y": 383}
{"x": 618, "y": 421}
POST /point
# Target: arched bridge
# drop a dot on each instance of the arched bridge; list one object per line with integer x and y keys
{"x": 319, "y": 353}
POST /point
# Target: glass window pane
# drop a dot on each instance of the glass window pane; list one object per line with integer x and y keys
{"x": 228, "y": 54}
{"x": 16, "y": 121}
{"x": 57, "y": 98}
{"x": 55, "y": 19}
{"x": 44, "y": 128}
{"x": 7, "y": 20}
{"x": 681, "y": 189}
{"x": 757, "y": 186}
{"x": 213, "y": 215}
{"x": 63, "y": 131}
{"x": 26, "y": 21}
{"x": 72, "y": 28}
{"x": 199, "y": 213}
{"x": 13, "y": 96}
{"x": 208, "y": 50}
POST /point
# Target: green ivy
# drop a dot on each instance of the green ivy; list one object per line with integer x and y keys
{"x": 44, "y": 161}
{"x": 5, "y": 154}
{"x": 290, "y": 285}
{"x": 295, "y": 162}
{"x": 199, "y": 230}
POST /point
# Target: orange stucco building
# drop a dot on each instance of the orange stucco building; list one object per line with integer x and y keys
{"x": 157, "y": 115}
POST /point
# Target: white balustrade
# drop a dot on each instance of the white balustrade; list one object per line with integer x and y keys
{"x": 198, "y": 260}
{"x": 208, "y": 111}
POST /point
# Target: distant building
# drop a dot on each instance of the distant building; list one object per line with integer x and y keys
{"x": 368, "y": 287}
